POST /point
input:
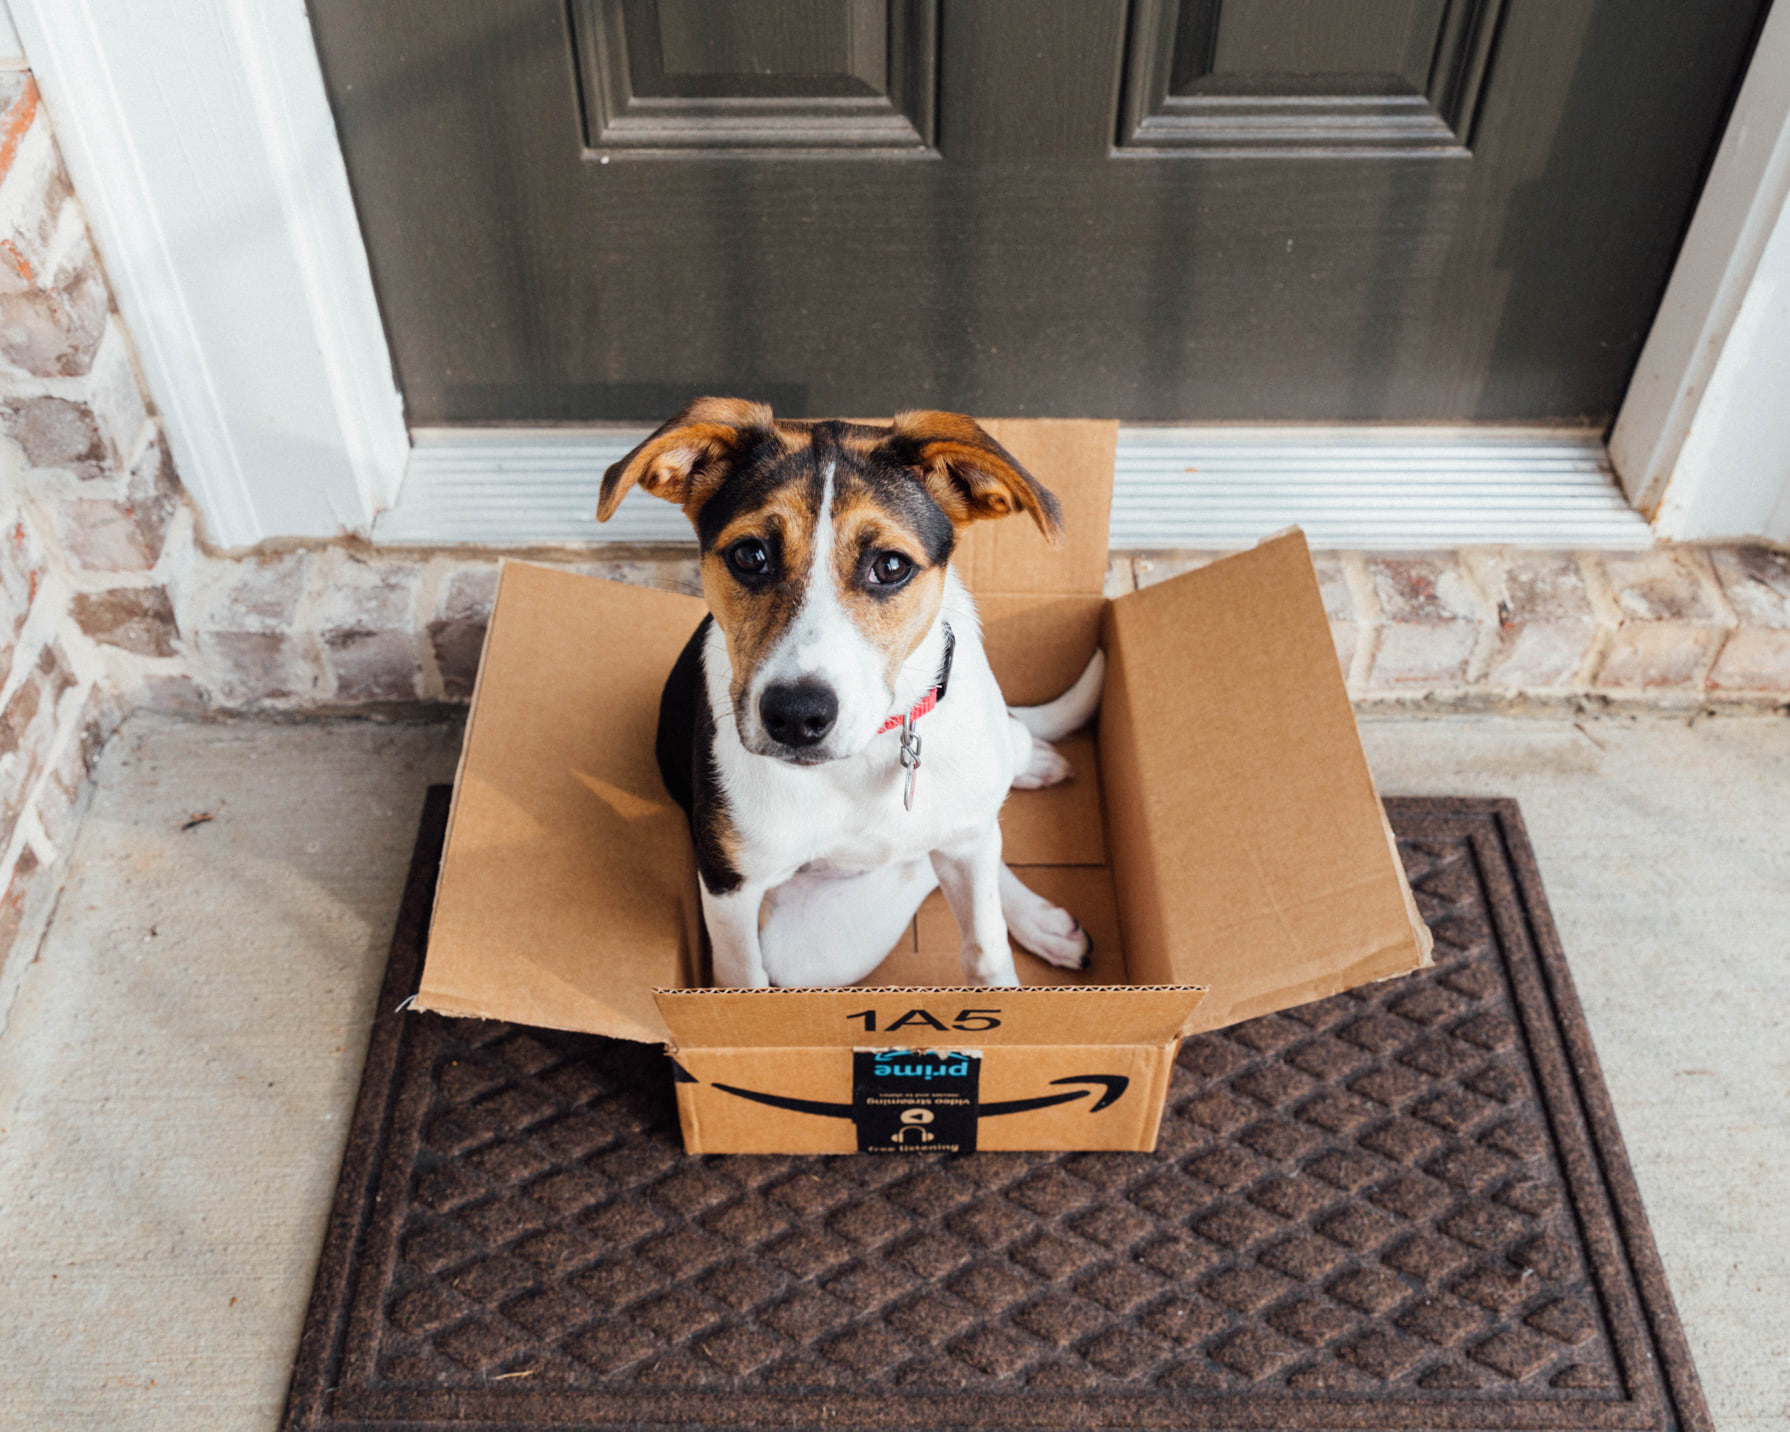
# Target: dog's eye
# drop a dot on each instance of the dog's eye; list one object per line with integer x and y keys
{"x": 890, "y": 569}
{"x": 749, "y": 558}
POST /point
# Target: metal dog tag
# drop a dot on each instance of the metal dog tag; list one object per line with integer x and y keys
{"x": 910, "y": 759}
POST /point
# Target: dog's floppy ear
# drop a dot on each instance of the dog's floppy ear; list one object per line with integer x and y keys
{"x": 689, "y": 456}
{"x": 968, "y": 473}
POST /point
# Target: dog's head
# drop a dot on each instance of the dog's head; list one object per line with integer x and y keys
{"x": 824, "y": 551}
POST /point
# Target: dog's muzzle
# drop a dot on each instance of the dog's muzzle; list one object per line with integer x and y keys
{"x": 798, "y": 715}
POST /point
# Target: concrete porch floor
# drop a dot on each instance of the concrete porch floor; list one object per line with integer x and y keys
{"x": 180, "y": 1052}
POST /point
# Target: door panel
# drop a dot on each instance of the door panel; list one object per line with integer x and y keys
{"x": 1169, "y": 210}
{"x": 756, "y": 76}
{"x": 1263, "y": 74}
{"x": 1312, "y": 37}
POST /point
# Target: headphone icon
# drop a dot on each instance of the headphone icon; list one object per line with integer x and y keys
{"x": 914, "y": 1121}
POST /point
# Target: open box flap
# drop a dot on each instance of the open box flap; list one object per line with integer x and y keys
{"x": 1073, "y": 457}
{"x": 1031, "y": 595}
{"x": 1249, "y": 845}
{"x": 568, "y": 874}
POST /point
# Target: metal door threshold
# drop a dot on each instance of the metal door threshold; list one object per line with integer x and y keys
{"x": 1211, "y": 488}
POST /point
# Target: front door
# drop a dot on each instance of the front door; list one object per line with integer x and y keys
{"x": 1176, "y": 210}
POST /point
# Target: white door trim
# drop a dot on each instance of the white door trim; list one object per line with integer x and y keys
{"x": 199, "y": 137}
{"x": 1702, "y": 443}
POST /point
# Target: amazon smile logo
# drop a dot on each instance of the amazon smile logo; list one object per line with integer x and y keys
{"x": 927, "y": 1101}
{"x": 1112, "y": 1088}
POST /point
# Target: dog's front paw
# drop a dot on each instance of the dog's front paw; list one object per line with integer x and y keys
{"x": 1054, "y": 935}
{"x": 992, "y": 968}
{"x": 1047, "y": 766}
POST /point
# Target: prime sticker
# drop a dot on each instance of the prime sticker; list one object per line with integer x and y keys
{"x": 915, "y": 1100}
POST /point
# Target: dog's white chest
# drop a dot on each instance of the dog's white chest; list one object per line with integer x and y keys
{"x": 854, "y": 819}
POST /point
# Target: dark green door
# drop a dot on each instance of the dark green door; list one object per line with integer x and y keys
{"x": 1166, "y": 209}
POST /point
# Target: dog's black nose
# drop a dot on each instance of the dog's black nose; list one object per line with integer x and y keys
{"x": 798, "y": 713}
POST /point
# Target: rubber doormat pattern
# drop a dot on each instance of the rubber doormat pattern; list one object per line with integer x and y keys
{"x": 1403, "y": 1207}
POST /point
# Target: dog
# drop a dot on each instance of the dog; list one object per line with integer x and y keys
{"x": 833, "y": 730}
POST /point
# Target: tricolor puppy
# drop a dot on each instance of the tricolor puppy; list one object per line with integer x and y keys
{"x": 841, "y": 646}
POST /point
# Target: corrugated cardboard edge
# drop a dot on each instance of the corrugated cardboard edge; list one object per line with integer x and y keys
{"x": 1157, "y": 1096}
{"x": 944, "y": 989}
{"x": 1426, "y": 939}
{"x": 703, "y": 1020}
{"x": 449, "y": 1006}
{"x": 1187, "y": 1025}
{"x": 689, "y": 1116}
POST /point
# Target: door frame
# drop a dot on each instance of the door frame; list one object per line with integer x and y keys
{"x": 196, "y": 118}
{"x": 1702, "y": 443}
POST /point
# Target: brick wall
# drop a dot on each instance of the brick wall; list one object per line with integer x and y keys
{"x": 90, "y": 512}
{"x": 109, "y": 602}
{"x": 1483, "y": 628}
{"x": 1495, "y": 628}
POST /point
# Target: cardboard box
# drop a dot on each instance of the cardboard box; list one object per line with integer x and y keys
{"x": 1221, "y": 840}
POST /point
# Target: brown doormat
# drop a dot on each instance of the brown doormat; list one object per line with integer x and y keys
{"x": 1403, "y": 1207}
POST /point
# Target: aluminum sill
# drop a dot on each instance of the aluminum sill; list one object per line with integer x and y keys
{"x": 1211, "y": 488}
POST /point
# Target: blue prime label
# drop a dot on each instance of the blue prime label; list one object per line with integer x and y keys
{"x": 915, "y": 1100}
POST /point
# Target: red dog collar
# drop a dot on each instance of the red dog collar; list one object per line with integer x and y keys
{"x": 934, "y": 693}
{"x": 910, "y": 740}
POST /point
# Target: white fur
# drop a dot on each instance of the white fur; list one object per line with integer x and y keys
{"x": 823, "y": 644}
{"x": 1070, "y": 711}
{"x": 832, "y": 866}
{"x": 1037, "y": 762}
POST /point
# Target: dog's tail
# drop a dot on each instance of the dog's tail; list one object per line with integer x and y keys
{"x": 1069, "y": 712}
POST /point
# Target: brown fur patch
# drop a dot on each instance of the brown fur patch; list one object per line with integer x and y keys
{"x": 895, "y": 623}
{"x": 796, "y": 435}
{"x": 971, "y": 475}
{"x": 754, "y": 618}
{"x": 688, "y": 456}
